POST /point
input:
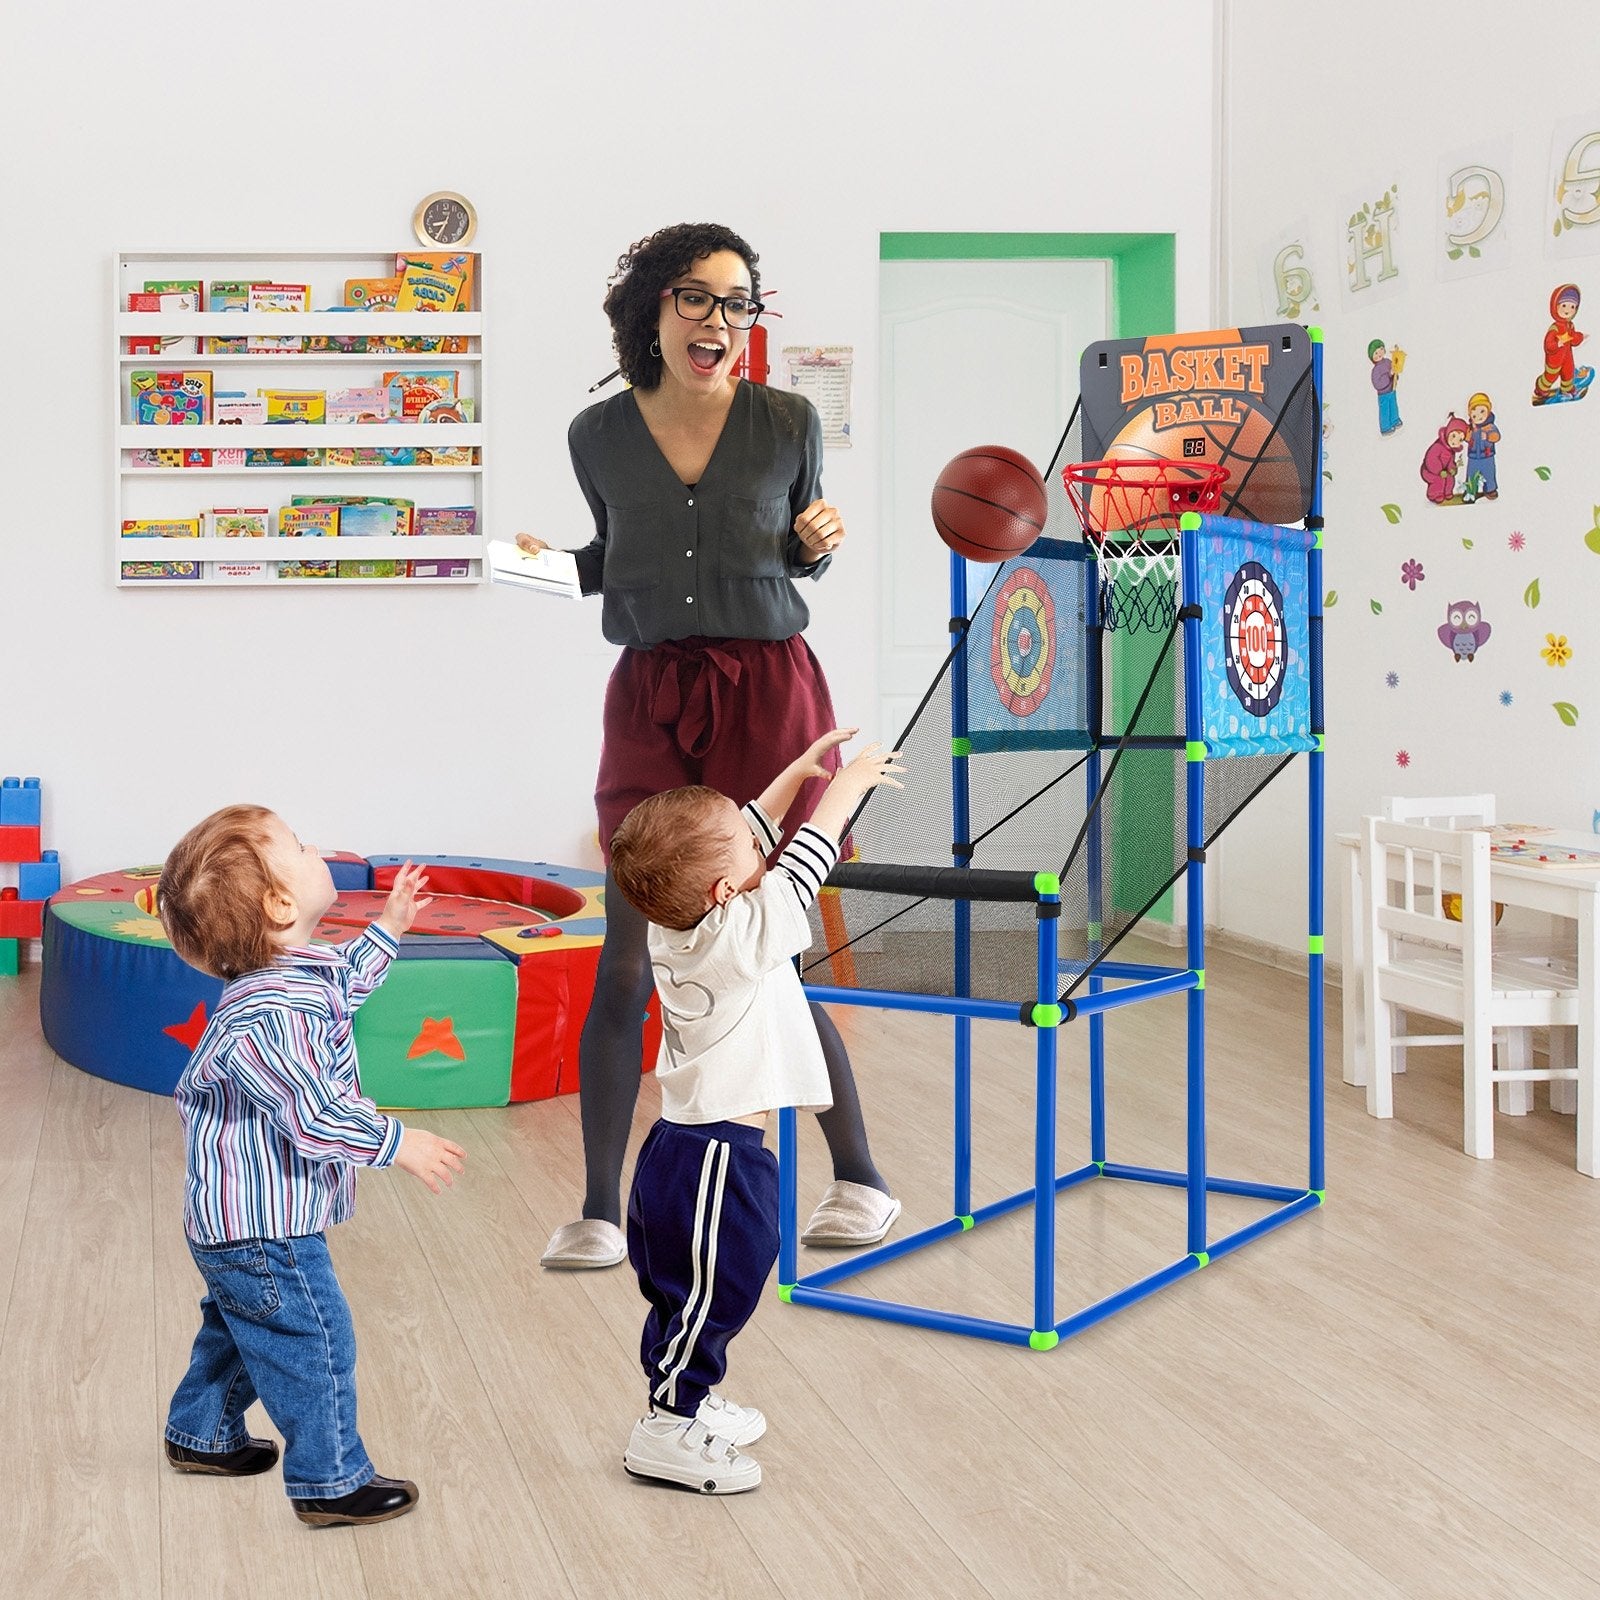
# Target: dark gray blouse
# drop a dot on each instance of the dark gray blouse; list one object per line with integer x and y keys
{"x": 715, "y": 559}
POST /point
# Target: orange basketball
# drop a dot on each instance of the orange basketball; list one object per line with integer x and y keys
{"x": 989, "y": 503}
{"x": 1263, "y": 478}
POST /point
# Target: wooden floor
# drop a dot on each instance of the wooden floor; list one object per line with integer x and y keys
{"x": 1390, "y": 1396}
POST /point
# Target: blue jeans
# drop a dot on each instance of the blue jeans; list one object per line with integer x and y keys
{"x": 1388, "y": 411}
{"x": 275, "y": 1325}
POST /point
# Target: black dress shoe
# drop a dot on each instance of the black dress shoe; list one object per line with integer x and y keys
{"x": 253, "y": 1456}
{"x": 378, "y": 1501}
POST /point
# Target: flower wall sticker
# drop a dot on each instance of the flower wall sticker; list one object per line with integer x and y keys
{"x": 1557, "y": 652}
{"x": 1517, "y": 541}
{"x": 1411, "y": 574}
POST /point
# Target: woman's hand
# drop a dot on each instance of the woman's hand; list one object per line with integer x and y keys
{"x": 527, "y": 542}
{"x": 820, "y": 527}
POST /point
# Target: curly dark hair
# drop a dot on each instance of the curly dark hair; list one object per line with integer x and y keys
{"x": 633, "y": 302}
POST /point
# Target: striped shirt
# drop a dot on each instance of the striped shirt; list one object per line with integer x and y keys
{"x": 274, "y": 1120}
{"x": 737, "y": 1035}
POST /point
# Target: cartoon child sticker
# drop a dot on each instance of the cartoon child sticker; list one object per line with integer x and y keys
{"x": 1561, "y": 378}
{"x": 1387, "y": 366}
{"x": 1481, "y": 441}
{"x": 1442, "y": 463}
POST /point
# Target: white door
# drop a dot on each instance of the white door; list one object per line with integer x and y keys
{"x": 974, "y": 353}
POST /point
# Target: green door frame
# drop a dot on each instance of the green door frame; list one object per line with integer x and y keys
{"x": 1143, "y": 282}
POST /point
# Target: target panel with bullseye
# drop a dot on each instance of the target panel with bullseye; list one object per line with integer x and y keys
{"x": 1254, "y": 647}
{"x": 1023, "y": 646}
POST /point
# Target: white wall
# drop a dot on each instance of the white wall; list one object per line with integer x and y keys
{"x": 469, "y": 721}
{"x": 1319, "y": 114}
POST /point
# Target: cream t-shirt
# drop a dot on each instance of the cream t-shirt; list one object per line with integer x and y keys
{"x": 737, "y": 1034}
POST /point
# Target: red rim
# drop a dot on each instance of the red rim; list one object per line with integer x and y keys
{"x": 1137, "y": 496}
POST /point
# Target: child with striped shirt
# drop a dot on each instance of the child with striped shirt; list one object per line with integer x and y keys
{"x": 274, "y": 1127}
{"x": 738, "y": 1042}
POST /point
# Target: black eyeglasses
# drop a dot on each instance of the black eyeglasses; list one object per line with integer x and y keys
{"x": 696, "y": 305}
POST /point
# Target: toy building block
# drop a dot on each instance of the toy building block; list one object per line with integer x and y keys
{"x": 10, "y": 957}
{"x": 20, "y": 919}
{"x": 38, "y": 880}
{"x": 19, "y": 803}
{"x": 19, "y": 843}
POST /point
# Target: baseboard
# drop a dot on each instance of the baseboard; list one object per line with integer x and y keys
{"x": 1273, "y": 955}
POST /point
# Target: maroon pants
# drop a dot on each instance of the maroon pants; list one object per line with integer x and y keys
{"x": 728, "y": 713}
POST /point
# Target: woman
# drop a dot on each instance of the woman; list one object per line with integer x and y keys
{"x": 705, "y": 494}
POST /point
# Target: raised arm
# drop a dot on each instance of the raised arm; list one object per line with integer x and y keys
{"x": 779, "y": 795}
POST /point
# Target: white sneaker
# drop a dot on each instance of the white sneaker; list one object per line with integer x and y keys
{"x": 727, "y": 1419}
{"x": 682, "y": 1450}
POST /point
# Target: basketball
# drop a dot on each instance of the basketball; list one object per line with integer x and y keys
{"x": 1263, "y": 477}
{"x": 989, "y": 503}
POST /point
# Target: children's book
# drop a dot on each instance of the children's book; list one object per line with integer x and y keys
{"x": 235, "y": 408}
{"x": 283, "y": 458}
{"x": 460, "y": 455}
{"x": 442, "y": 567}
{"x": 434, "y": 281}
{"x": 241, "y": 571}
{"x": 308, "y": 520}
{"x": 228, "y": 458}
{"x": 161, "y": 528}
{"x": 168, "y": 398}
{"x": 442, "y": 521}
{"x": 294, "y": 405}
{"x": 444, "y": 262}
{"x": 235, "y": 522}
{"x": 277, "y": 297}
{"x": 166, "y": 296}
{"x": 227, "y": 295}
{"x": 410, "y": 393}
{"x": 358, "y": 405}
{"x": 453, "y": 410}
{"x": 307, "y": 569}
{"x": 373, "y": 519}
{"x": 160, "y": 569}
{"x": 372, "y": 569}
{"x": 372, "y": 294}
{"x": 549, "y": 572}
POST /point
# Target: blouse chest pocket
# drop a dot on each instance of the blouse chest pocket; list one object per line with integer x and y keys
{"x": 754, "y": 533}
{"x": 634, "y": 537}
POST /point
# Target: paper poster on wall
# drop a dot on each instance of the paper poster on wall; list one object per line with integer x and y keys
{"x": 1572, "y": 220}
{"x": 1287, "y": 275}
{"x": 822, "y": 374}
{"x": 1371, "y": 245}
{"x": 1469, "y": 208}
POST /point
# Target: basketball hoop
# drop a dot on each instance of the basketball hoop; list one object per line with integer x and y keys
{"x": 1129, "y": 513}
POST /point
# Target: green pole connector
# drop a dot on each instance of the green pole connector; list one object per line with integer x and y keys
{"x": 1316, "y": 544}
{"x": 966, "y": 1224}
{"x": 1199, "y": 977}
{"x": 1201, "y": 1258}
{"x": 1044, "y": 1341}
{"x": 1189, "y": 522}
{"x": 1314, "y": 944}
{"x": 961, "y": 747}
{"x": 1047, "y": 1016}
{"x": 1322, "y": 743}
{"x": 1322, "y": 1196}
{"x": 1046, "y": 883}
{"x": 1194, "y": 750}
{"x": 785, "y": 1293}
{"x": 1315, "y": 335}
{"x": 1100, "y": 1166}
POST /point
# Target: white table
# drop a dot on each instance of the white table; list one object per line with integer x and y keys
{"x": 1572, "y": 893}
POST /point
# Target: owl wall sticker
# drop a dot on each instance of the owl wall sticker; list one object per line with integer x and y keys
{"x": 1466, "y": 631}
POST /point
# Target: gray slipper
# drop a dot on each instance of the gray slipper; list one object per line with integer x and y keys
{"x": 851, "y": 1214}
{"x": 583, "y": 1246}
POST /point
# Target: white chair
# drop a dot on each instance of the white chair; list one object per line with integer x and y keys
{"x": 1421, "y": 961}
{"x": 1515, "y": 1045}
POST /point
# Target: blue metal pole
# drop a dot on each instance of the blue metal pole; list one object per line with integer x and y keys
{"x": 1180, "y": 1180}
{"x": 1276, "y": 1219}
{"x": 1094, "y": 688}
{"x": 1087, "y": 1005}
{"x": 962, "y": 822}
{"x": 788, "y": 1222}
{"x": 1126, "y": 1297}
{"x": 1195, "y": 906}
{"x": 1316, "y": 781}
{"x": 896, "y": 1000}
{"x": 914, "y": 1316}
{"x": 1044, "y": 1158}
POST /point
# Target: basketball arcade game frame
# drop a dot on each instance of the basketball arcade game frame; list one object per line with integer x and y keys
{"x": 962, "y": 884}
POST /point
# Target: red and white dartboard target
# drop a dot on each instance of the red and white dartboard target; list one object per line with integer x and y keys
{"x": 1254, "y": 646}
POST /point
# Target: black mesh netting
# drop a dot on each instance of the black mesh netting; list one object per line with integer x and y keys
{"x": 1116, "y": 841}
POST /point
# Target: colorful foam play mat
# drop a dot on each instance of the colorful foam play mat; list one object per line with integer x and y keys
{"x": 484, "y": 1006}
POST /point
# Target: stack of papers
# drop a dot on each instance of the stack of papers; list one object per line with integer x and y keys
{"x": 550, "y": 571}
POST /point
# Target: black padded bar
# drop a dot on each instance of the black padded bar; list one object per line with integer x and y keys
{"x": 936, "y": 883}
